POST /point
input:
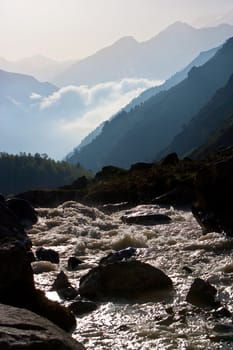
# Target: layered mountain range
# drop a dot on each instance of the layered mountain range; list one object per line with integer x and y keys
{"x": 158, "y": 58}
{"x": 41, "y": 67}
{"x": 143, "y": 130}
{"x": 147, "y": 130}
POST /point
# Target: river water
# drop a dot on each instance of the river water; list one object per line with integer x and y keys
{"x": 165, "y": 321}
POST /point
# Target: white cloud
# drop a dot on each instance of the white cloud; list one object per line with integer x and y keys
{"x": 77, "y": 110}
{"x": 57, "y": 123}
{"x": 35, "y": 96}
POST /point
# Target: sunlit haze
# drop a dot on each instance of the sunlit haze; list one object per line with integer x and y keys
{"x": 73, "y": 29}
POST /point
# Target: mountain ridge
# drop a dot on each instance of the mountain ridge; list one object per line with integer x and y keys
{"x": 157, "y": 58}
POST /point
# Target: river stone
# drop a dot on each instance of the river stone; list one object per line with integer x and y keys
{"x": 73, "y": 263}
{"x": 202, "y": 294}
{"x": 63, "y": 287}
{"x": 146, "y": 219}
{"x": 22, "y": 329}
{"x": 44, "y": 254}
{"x": 122, "y": 279}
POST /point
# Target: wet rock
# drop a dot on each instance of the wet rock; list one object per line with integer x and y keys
{"x": 146, "y": 219}
{"x": 214, "y": 192}
{"x": 44, "y": 254}
{"x": 81, "y": 307}
{"x": 63, "y": 287}
{"x": 122, "y": 279}
{"x": 73, "y": 263}
{"x": 167, "y": 321}
{"x": 120, "y": 255}
{"x": 187, "y": 269}
{"x": 202, "y": 294}
{"x": 61, "y": 281}
{"x": 23, "y": 329}
{"x": 68, "y": 293}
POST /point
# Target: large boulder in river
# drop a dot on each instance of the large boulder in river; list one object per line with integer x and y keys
{"x": 122, "y": 279}
{"x": 214, "y": 192}
{"x": 22, "y": 329}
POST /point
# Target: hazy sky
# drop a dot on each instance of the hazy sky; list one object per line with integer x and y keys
{"x": 64, "y": 29}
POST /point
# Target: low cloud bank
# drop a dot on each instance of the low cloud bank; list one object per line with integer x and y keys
{"x": 57, "y": 123}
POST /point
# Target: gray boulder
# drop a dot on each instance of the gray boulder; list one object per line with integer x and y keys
{"x": 127, "y": 279}
{"x": 22, "y": 329}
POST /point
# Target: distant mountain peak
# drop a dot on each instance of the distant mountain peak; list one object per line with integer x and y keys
{"x": 126, "y": 40}
{"x": 179, "y": 25}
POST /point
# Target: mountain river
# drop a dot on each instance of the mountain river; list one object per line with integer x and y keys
{"x": 164, "y": 321}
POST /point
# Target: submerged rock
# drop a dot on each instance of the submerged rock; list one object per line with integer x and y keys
{"x": 122, "y": 279}
{"x": 23, "y": 329}
{"x": 202, "y": 294}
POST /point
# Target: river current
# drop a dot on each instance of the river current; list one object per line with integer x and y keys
{"x": 164, "y": 321}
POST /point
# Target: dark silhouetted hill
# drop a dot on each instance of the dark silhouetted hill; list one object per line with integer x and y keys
{"x": 209, "y": 127}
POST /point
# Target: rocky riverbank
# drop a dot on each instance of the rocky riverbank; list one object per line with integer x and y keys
{"x": 21, "y": 328}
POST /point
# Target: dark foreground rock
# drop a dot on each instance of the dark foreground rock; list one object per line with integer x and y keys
{"x": 23, "y": 329}
{"x": 16, "y": 276}
{"x": 122, "y": 279}
{"x": 202, "y": 294}
{"x": 23, "y": 211}
{"x": 214, "y": 191}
